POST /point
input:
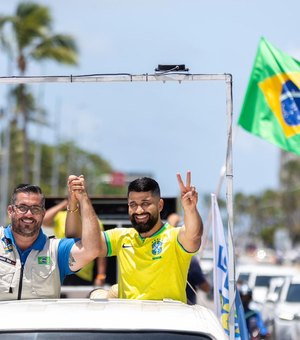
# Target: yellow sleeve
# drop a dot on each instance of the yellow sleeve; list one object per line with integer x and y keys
{"x": 111, "y": 237}
{"x": 60, "y": 224}
{"x": 114, "y": 239}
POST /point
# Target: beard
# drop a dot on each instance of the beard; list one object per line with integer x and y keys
{"x": 25, "y": 229}
{"x": 144, "y": 227}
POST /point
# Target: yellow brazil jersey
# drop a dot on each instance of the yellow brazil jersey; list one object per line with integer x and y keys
{"x": 86, "y": 273}
{"x": 153, "y": 268}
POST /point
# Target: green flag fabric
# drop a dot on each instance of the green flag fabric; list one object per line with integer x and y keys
{"x": 271, "y": 108}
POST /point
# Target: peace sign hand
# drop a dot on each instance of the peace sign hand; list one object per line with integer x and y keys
{"x": 188, "y": 193}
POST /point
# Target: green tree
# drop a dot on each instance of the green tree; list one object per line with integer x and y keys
{"x": 92, "y": 166}
{"x": 262, "y": 213}
{"x": 30, "y": 38}
{"x": 291, "y": 197}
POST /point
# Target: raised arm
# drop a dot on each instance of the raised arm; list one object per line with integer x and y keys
{"x": 73, "y": 227}
{"x": 191, "y": 232}
{"x": 51, "y": 212}
{"x": 88, "y": 248}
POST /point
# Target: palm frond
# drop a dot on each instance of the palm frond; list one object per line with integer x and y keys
{"x": 38, "y": 13}
{"x": 5, "y": 41}
{"x": 32, "y": 21}
{"x": 6, "y": 19}
{"x": 59, "y": 47}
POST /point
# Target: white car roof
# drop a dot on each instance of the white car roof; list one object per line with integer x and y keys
{"x": 112, "y": 314}
{"x": 295, "y": 279}
{"x": 263, "y": 269}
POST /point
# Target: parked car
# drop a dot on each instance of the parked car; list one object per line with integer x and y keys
{"x": 287, "y": 310}
{"x": 103, "y": 319}
{"x": 268, "y": 308}
{"x": 257, "y": 277}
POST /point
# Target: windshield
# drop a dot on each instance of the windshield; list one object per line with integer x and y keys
{"x": 104, "y": 335}
{"x": 293, "y": 294}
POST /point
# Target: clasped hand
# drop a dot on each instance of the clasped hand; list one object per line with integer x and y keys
{"x": 76, "y": 187}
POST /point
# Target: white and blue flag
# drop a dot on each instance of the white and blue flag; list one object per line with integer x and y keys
{"x": 221, "y": 288}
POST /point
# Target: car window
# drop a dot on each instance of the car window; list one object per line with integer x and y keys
{"x": 243, "y": 277}
{"x": 263, "y": 280}
{"x": 293, "y": 294}
{"x": 102, "y": 335}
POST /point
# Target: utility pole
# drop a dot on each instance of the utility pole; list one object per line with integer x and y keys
{"x": 56, "y": 155}
{"x": 40, "y": 121}
{"x": 5, "y": 164}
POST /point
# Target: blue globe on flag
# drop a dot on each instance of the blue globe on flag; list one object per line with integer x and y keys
{"x": 290, "y": 103}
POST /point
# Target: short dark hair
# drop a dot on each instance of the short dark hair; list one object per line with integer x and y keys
{"x": 144, "y": 184}
{"x": 27, "y": 188}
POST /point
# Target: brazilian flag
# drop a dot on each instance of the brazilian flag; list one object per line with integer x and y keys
{"x": 271, "y": 108}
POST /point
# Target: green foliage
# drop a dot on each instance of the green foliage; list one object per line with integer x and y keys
{"x": 72, "y": 160}
{"x": 267, "y": 235}
{"x": 291, "y": 196}
{"x": 27, "y": 35}
{"x": 271, "y": 210}
{"x": 60, "y": 48}
{"x": 259, "y": 216}
{"x": 68, "y": 159}
{"x": 31, "y": 30}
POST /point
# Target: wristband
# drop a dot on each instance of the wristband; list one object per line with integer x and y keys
{"x": 72, "y": 211}
{"x": 101, "y": 276}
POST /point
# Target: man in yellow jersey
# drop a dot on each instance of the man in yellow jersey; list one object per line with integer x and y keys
{"x": 153, "y": 260}
{"x": 56, "y": 217}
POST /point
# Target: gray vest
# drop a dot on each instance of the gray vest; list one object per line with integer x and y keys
{"x": 39, "y": 277}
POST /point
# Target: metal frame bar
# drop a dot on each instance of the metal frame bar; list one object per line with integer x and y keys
{"x": 166, "y": 77}
{"x": 117, "y": 77}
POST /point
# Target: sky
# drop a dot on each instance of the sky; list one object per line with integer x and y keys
{"x": 163, "y": 128}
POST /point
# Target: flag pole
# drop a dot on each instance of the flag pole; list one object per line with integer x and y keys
{"x": 207, "y": 224}
{"x": 229, "y": 202}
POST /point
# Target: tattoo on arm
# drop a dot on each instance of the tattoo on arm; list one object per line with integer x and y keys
{"x": 72, "y": 261}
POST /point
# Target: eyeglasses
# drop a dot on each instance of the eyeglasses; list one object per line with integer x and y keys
{"x": 35, "y": 209}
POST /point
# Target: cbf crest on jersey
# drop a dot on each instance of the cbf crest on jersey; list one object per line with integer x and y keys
{"x": 271, "y": 108}
{"x": 156, "y": 247}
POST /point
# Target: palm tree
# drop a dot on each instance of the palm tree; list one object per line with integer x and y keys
{"x": 32, "y": 39}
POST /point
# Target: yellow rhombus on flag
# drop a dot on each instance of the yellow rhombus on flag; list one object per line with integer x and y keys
{"x": 271, "y": 108}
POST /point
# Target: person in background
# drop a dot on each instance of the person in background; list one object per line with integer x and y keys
{"x": 153, "y": 260}
{"x": 56, "y": 217}
{"x": 174, "y": 220}
{"x": 196, "y": 279}
{"x": 254, "y": 321}
{"x": 33, "y": 266}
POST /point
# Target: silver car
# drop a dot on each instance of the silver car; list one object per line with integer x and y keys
{"x": 287, "y": 311}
